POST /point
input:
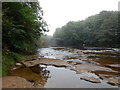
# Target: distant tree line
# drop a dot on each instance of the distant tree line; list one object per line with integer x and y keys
{"x": 98, "y": 30}
{"x": 46, "y": 41}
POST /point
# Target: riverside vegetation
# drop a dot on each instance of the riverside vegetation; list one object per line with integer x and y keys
{"x": 22, "y": 25}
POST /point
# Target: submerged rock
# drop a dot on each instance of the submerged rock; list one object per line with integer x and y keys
{"x": 31, "y": 74}
{"x": 26, "y": 73}
{"x": 91, "y": 79}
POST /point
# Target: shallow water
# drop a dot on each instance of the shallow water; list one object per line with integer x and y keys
{"x": 65, "y": 78}
{"x": 61, "y": 77}
{"x": 56, "y": 53}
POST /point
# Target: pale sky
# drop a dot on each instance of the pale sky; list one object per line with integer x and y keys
{"x": 58, "y": 12}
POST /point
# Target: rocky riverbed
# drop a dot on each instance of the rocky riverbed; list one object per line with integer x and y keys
{"x": 96, "y": 67}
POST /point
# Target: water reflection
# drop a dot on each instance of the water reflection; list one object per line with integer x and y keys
{"x": 104, "y": 57}
{"x": 54, "y": 77}
{"x": 65, "y": 78}
{"x": 36, "y": 74}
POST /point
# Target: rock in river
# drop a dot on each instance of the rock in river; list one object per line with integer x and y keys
{"x": 90, "y": 79}
{"x": 18, "y": 64}
{"x": 47, "y": 61}
{"x": 114, "y": 82}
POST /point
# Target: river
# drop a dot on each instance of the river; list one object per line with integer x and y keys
{"x": 61, "y": 77}
{"x": 86, "y": 68}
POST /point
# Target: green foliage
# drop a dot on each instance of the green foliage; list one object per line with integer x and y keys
{"x": 22, "y": 26}
{"x": 98, "y": 30}
{"x": 9, "y": 59}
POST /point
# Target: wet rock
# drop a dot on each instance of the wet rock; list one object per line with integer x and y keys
{"x": 15, "y": 82}
{"x": 88, "y": 67}
{"x": 113, "y": 82}
{"x": 14, "y": 68}
{"x": 78, "y": 51}
{"x": 33, "y": 58}
{"x": 72, "y": 58}
{"x": 26, "y": 73}
{"x": 39, "y": 58}
{"x": 113, "y": 65}
{"x": 106, "y": 74}
{"x": 77, "y": 57}
{"x": 47, "y": 61}
{"x": 107, "y": 61}
{"x": 91, "y": 79}
{"x": 18, "y": 64}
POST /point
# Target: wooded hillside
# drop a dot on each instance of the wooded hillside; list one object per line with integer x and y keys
{"x": 97, "y": 30}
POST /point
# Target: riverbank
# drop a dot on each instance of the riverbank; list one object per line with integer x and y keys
{"x": 8, "y": 60}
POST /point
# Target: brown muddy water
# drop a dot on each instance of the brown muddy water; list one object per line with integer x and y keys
{"x": 62, "y": 77}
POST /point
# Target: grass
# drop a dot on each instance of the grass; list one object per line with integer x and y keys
{"x": 9, "y": 59}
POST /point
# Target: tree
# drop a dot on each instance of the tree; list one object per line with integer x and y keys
{"x": 22, "y": 26}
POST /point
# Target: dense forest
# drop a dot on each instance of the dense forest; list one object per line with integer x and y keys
{"x": 22, "y": 26}
{"x": 98, "y": 30}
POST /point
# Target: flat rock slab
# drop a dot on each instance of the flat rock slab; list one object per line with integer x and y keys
{"x": 15, "y": 82}
{"x": 90, "y": 79}
{"x": 47, "y": 61}
{"x": 88, "y": 67}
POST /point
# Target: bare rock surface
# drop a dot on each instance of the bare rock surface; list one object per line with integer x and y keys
{"x": 87, "y": 67}
{"x": 90, "y": 79}
{"x": 47, "y": 61}
{"x": 15, "y": 82}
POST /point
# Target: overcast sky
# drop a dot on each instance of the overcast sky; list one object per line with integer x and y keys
{"x": 58, "y": 12}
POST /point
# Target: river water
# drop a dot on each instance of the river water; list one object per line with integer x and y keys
{"x": 61, "y": 77}
{"x": 99, "y": 63}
